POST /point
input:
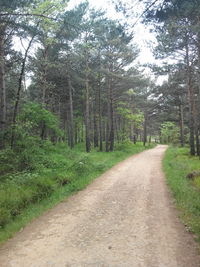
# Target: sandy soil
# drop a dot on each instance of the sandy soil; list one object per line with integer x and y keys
{"x": 125, "y": 218}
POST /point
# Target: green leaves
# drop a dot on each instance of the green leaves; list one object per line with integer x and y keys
{"x": 33, "y": 115}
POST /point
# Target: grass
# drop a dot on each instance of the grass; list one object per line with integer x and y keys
{"x": 177, "y": 165}
{"x": 24, "y": 195}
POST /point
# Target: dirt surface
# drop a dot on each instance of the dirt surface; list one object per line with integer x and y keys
{"x": 124, "y": 218}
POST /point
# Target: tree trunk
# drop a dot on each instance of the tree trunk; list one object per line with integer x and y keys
{"x": 191, "y": 103}
{"x": 197, "y": 142}
{"x": 112, "y": 133}
{"x": 2, "y": 89}
{"x": 71, "y": 116}
{"x": 87, "y": 111}
{"x": 107, "y": 130}
{"x": 198, "y": 122}
{"x": 100, "y": 116}
{"x": 95, "y": 124}
{"x": 19, "y": 92}
{"x": 181, "y": 125}
{"x": 145, "y": 129}
{"x": 110, "y": 119}
{"x": 44, "y": 75}
{"x": 99, "y": 108}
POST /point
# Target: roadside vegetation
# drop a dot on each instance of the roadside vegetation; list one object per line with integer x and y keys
{"x": 183, "y": 176}
{"x": 52, "y": 173}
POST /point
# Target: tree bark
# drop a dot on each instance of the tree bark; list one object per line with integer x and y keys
{"x": 71, "y": 116}
{"x": 17, "y": 100}
{"x": 2, "y": 89}
{"x": 145, "y": 129}
{"x": 100, "y": 116}
{"x": 191, "y": 102}
{"x": 87, "y": 107}
{"x": 107, "y": 128}
{"x": 198, "y": 122}
{"x": 181, "y": 119}
{"x": 95, "y": 124}
{"x": 112, "y": 131}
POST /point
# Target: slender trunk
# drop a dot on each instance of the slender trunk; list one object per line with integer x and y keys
{"x": 44, "y": 76}
{"x": 19, "y": 92}
{"x": 107, "y": 131}
{"x": 99, "y": 106}
{"x": 95, "y": 124}
{"x": 87, "y": 111}
{"x": 104, "y": 130}
{"x": 109, "y": 118}
{"x": 71, "y": 116}
{"x": 191, "y": 103}
{"x": 112, "y": 131}
{"x": 2, "y": 89}
{"x": 117, "y": 128}
{"x": 181, "y": 125}
{"x": 198, "y": 122}
{"x": 100, "y": 116}
{"x": 76, "y": 134}
{"x": 145, "y": 129}
{"x": 197, "y": 142}
{"x": 131, "y": 132}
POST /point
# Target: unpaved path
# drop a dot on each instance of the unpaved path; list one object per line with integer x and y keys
{"x": 124, "y": 218}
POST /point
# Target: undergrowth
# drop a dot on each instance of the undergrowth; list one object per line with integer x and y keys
{"x": 177, "y": 165}
{"x": 51, "y": 174}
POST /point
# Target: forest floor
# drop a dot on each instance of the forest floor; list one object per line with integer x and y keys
{"x": 126, "y": 217}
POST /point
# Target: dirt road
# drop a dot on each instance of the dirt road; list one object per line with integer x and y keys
{"x": 125, "y": 218}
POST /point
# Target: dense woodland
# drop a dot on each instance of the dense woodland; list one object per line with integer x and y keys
{"x": 70, "y": 83}
{"x": 71, "y": 75}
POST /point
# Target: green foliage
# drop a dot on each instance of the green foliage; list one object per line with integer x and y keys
{"x": 132, "y": 117}
{"x": 129, "y": 117}
{"x": 177, "y": 164}
{"x": 32, "y": 117}
{"x": 8, "y": 161}
{"x": 169, "y": 133}
{"x": 29, "y": 150}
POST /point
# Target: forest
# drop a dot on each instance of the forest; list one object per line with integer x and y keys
{"x": 72, "y": 91}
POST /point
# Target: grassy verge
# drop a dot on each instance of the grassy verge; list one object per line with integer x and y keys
{"x": 26, "y": 195}
{"x": 177, "y": 165}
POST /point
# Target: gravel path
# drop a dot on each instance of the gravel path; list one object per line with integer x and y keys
{"x": 125, "y": 218}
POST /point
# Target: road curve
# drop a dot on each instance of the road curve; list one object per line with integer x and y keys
{"x": 125, "y": 218}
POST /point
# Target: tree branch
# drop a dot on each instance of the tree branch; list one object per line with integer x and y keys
{"x": 26, "y": 14}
